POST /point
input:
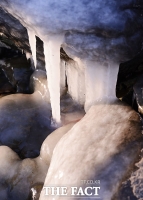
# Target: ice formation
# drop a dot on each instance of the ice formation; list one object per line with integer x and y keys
{"x": 32, "y": 42}
{"x": 96, "y": 37}
{"x": 35, "y": 110}
{"x": 137, "y": 180}
{"x": 21, "y": 175}
{"x": 52, "y": 59}
{"x": 82, "y": 38}
{"x": 91, "y": 82}
{"x": 51, "y": 141}
{"x": 100, "y": 149}
{"x": 39, "y": 83}
{"x": 75, "y": 73}
{"x": 100, "y": 83}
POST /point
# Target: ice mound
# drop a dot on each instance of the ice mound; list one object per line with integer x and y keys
{"x": 51, "y": 141}
{"x": 25, "y": 120}
{"x": 98, "y": 147}
{"x": 20, "y": 178}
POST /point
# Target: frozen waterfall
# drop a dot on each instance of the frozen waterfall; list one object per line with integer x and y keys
{"x": 89, "y": 82}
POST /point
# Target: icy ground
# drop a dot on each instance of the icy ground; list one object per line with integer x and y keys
{"x": 103, "y": 145}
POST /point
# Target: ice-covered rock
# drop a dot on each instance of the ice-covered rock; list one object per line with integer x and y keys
{"x": 17, "y": 176}
{"x": 23, "y": 179}
{"x": 99, "y": 147}
{"x": 51, "y": 141}
{"x": 25, "y": 123}
{"x": 137, "y": 180}
{"x": 39, "y": 83}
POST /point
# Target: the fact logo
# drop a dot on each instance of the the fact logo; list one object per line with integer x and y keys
{"x": 86, "y": 191}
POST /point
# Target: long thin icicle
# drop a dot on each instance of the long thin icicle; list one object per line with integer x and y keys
{"x": 52, "y": 60}
{"x": 32, "y": 42}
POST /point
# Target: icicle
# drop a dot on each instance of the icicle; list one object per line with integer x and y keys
{"x": 32, "y": 42}
{"x": 52, "y": 60}
{"x": 76, "y": 80}
{"x": 100, "y": 82}
{"x": 72, "y": 79}
{"x": 29, "y": 56}
{"x": 63, "y": 76}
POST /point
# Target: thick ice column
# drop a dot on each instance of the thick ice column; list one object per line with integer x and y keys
{"x": 100, "y": 82}
{"x": 32, "y": 42}
{"x": 112, "y": 80}
{"x": 52, "y": 60}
